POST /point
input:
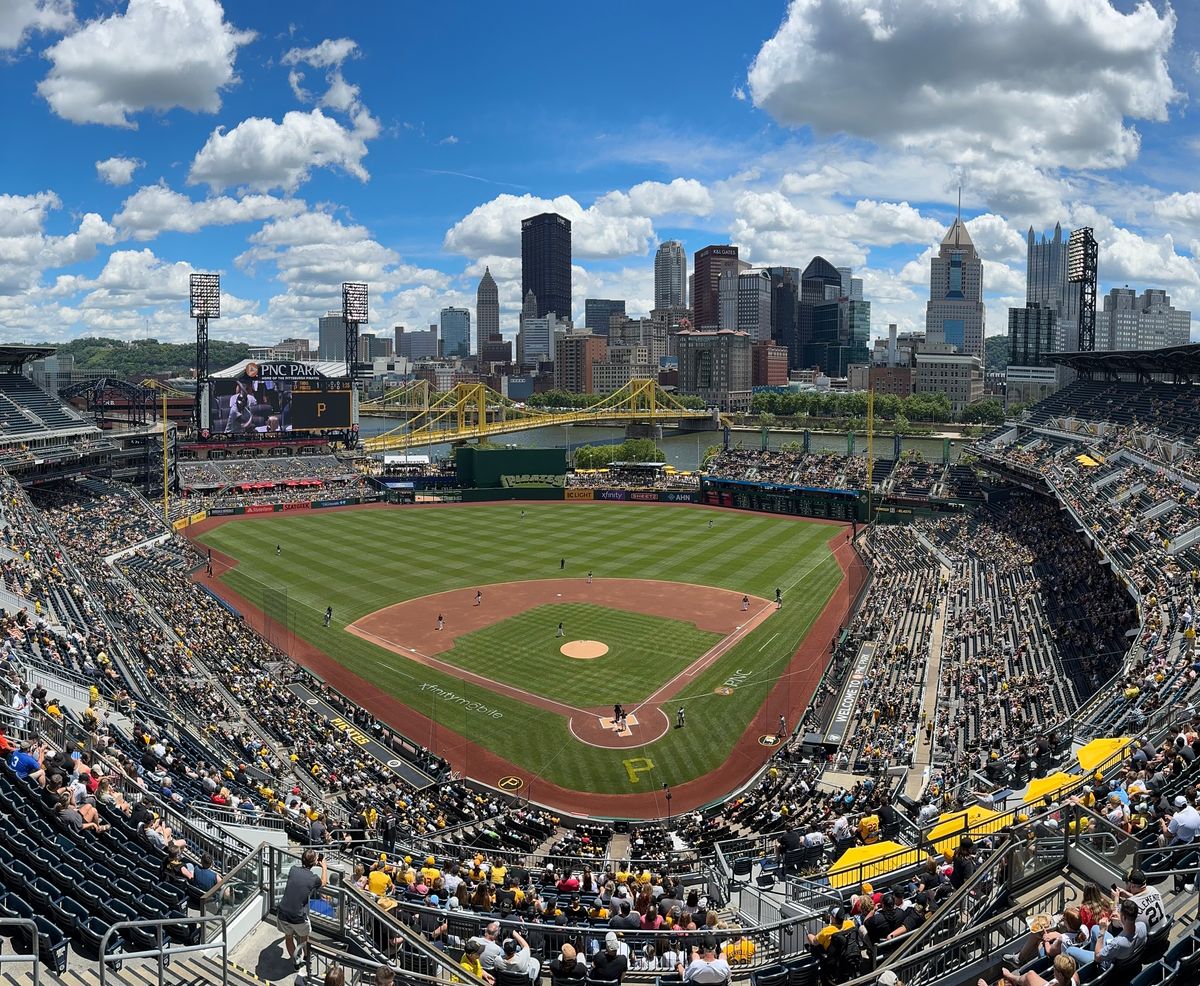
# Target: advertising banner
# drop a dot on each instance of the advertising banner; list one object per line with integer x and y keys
{"x": 644, "y": 495}
{"x": 179, "y": 525}
{"x": 612, "y": 494}
{"x": 679, "y": 496}
{"x": 343, "y": 502}
{"x": 196, "y": 518}
{"x": 302, "y": 505}
{"x": 225, "y": 511}
{"x": 262, "y": 508}
{"x": 577, "y": 494}
{"x": 848, "y": 701}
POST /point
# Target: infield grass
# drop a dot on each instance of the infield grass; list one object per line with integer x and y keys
{"x": 644, "y": 652}
{"x": 361, "y": 561}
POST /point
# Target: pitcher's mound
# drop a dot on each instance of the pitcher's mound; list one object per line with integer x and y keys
{"x": 584, "y": 650}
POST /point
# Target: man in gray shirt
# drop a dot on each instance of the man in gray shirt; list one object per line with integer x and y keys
{"x": 292, "y": 912}
{"x": 1130, "y": 940}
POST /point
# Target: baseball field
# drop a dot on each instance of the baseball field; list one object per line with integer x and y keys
{"x": 502, "y": 635}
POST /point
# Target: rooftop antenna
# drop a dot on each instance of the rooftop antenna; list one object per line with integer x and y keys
{"x": 959, "y": 217}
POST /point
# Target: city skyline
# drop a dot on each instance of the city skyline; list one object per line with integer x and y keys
{"x": 283, "y": 160}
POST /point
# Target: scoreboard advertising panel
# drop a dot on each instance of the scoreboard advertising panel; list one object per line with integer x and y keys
{"x": 279, "y": 396}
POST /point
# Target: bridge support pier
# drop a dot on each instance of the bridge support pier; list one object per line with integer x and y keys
{"x": 637, "y": 429}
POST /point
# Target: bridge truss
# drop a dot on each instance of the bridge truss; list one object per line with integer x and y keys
{"x": 474, "y": 411}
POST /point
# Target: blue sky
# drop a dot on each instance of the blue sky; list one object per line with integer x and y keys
{"x": 292, "y": 147}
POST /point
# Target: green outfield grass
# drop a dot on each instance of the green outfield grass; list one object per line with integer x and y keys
{"x": 361, "y": 561}
{"x": 644, "y": 652}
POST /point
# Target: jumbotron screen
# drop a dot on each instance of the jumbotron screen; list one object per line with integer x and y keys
{"x": 261, "y": 401}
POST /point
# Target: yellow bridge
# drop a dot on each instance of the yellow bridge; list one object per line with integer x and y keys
{"x": 473, "y": 411}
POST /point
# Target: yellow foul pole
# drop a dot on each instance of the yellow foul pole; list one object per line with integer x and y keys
{"x": 870, "y": 450}
{"x": 166, "y": 510}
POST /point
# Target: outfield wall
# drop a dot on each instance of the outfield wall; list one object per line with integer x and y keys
{"x": 272, "y": 508}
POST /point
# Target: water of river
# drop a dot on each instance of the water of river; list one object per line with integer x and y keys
{"x": 683, "y": 451}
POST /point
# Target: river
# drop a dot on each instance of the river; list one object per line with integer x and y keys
{"x": 683, "y": 451}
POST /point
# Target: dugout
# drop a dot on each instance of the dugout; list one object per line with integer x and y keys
{"x": 511, "y": 474}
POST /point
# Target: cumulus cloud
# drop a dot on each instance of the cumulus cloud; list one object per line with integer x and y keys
{"x": 495, "y": 228}
{"x": 20, "y": 18}
{"x": 155, "y": 209}
{"x": 262, "y": 154}
{"x": 26, "y": 250}
{"x": 684, "y": 196}
{"x": 118, "y": 170}
{"x": 328, "y": 54}
{"x": 1041, "y": 80}
{"x": 159, "y": 54}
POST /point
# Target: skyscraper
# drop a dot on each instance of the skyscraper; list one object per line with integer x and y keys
{"x": 597, "y": 312}
{"x": 955, "y": 313}
{"x": 711, "y": 263}
{"x": 455, "y": 325}
{"x": 819, "y": 280}
{"x": 1046, "y": 285}
{"x": 1141, "y": 321}
{"x": 1031, "y": 334}
{"x": 785, "y": 301}
{"x": 487, "y": 311}
{"x": 331, "y": 336}
{"x": 670, "y": 275}
{"x": 546, "y": 262}
{"x": 745, "y": 301}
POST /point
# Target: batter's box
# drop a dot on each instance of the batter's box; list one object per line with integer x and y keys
{"x": 608, "y": 722}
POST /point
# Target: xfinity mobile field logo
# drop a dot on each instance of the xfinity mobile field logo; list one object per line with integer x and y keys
{"x": 533, "y": 479}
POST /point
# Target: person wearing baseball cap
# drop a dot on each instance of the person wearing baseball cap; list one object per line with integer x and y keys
{"x": 612, "y": 961}
{"x": 1182, "y": 826}
{"x": 470, "y": 960}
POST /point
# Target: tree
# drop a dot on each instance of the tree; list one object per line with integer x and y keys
{"x": 989, "y": 412}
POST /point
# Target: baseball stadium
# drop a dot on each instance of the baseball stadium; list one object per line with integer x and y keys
{"x": 824, "y": 707}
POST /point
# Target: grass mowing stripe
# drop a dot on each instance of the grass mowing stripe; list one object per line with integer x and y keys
{"x": 365, "y": 560}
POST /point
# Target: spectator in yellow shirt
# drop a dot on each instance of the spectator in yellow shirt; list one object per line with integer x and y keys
{"x": 379, "y": 881}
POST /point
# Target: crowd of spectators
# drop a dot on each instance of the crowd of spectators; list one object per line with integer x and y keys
{"x": 633, "y": 477}
{"x": 789, "y": 467}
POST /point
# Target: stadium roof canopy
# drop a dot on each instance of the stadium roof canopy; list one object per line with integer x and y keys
{"x": 325, "y": 367}
{"x": 15, "y": 356}
{"x": 1180, "y": 363}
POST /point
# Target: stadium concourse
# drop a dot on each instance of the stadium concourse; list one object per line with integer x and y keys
{"x": 996, "y": 776}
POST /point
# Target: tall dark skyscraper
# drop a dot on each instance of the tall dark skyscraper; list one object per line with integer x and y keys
{"x": 819, "y": 283}
{"x": 785, "y": 310}
{"x": 710, "y": 263}
{"x": 546, "y": 262}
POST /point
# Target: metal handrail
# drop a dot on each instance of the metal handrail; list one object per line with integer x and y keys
{"x": 160, "y": 953}
{"x": 31, "y": 926}
{"x": 935, "y": 963}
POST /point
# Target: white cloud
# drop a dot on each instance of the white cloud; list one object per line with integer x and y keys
{"x": 159, "y": 54}
{"x": 118, "y": 170}
{"x": 1041, "y": 80}
{"x": 654, "y": 198}
{"x": 327, "y": 54}
{"x": 26, "y": 250}
{"x": 495, "y": 228}
{"x": 772, "y": 229}
{"x": 155, "y": 209}
{"x": 450, "y": 139}
{"x": 313, "y": 253}
{"x": 995, "y": 238}
{"x": 261, "y": 154}
{"x": 20, "y": 18}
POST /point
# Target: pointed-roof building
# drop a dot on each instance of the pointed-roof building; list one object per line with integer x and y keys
{"x": 954, "y": 314}
{"x": 487, "y": 311}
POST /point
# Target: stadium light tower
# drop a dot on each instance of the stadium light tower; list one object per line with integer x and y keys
{"x": 354, "y": 313}
{"x": 1082, "y": 262}
{"x": 206, "y": 304}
